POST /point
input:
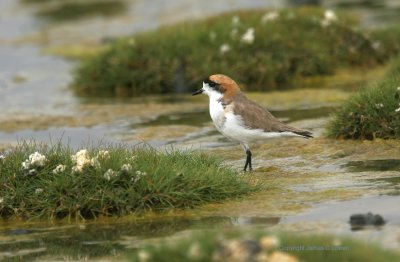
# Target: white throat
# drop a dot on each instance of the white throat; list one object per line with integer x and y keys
{"x": 212, "y": 94}
{"x": 216, "y": 109}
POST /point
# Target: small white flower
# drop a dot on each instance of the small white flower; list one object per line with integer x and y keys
{"x": 109, "y": 174}
{"x": 94, "y": 162}
{"x": 131, "y": 158}
{"x": 213, "y": 36}
{"x": 397, "y": 110}
{"x": 235, "y": 20}
{"x": 80, "y": 159}
{"x": 330, "y": 15}
{"x": 32, "y": 172}
{"x": 103, "y": 154}
{"x": 59, "y": 169}
{"x": 248, "y": 37}
{"x": 26, "y": 165}
{"x": 139, "y": 175}
{"x": 224, "y": 48}
{"x": 38, "y": 190}
{"x": 380, "y": 105}
{"x": 329, "y": 18}
{"x": 36, "y": 159}
{"x": 126, "y": 167}
{"x": 270, "y": 16}
{"x": 2, "y": 157}
{"x": 1, "y": 200}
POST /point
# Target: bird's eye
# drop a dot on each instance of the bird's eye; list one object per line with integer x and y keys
{"x": 210, "y": 83}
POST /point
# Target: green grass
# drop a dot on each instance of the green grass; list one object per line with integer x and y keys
{"x": 304, "y": 247}
{"x": 97, "y": 184}
{"x": 292, "y": 46}
{"x": 372, "y": 112}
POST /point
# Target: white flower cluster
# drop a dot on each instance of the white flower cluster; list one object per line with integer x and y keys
{"x": 81, "y": 160}
{"x": 224, "y": 48}
{"x": 139, "y": 175}
{"x": 109, "y": 174}
{"x": 125, "y": 168}
{"x": 248, "y": 36}
{"x": 270, "y": 17}
{"x": 59, "y": 169}
{"x": 34, "y": 161}
{"x": 2, "y": 157}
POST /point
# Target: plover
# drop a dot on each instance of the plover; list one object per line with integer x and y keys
{"x": 240, "y": 119}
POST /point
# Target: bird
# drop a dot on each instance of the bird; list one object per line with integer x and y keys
{"x": 241, "y": 119}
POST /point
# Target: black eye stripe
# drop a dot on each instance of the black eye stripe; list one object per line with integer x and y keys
{"x": 211, "y": 83}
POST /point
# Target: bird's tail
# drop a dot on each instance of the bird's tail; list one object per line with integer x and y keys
{"x": 303, "y": 133}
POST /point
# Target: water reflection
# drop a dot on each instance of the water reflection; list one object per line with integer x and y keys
{"x": 374, "y": 165}
{"x": 70, "y": 11}
{"x": 105, "y": 240}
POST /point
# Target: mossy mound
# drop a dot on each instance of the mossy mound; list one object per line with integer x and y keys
{"x": 54, "y": 182}
{"x": 373, "y": 112}
{"x": 263, "y": 50}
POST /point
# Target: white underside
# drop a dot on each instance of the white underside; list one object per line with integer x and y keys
{"x": 235, "y": 129}
{"x": 232, "y": 126}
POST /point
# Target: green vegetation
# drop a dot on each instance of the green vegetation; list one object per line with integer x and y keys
{"x": 76, "y": 10}
{"x": 373, "y": 112}
{"x": 243, "y": 246}
{"x": 262, "y": 50}
{"x": 52, "y": 181}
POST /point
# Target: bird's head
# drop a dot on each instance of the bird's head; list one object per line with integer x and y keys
{"x": 218, "y": 86}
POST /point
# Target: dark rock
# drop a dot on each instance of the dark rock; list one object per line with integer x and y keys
{"x": 359, "y": 221}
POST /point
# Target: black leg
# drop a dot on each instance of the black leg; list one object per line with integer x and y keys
{"x": 248, "y": 160}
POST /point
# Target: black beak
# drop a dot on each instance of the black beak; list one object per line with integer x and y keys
{"x": 198, "y": 92}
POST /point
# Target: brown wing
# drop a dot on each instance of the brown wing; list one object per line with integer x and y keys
{"x": 256, "y": 117}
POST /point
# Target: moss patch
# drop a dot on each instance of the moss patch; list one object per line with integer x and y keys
{"x": 260, "y": 52}
{"x": 54, "y": 182}
{"x": 371, "y": 113}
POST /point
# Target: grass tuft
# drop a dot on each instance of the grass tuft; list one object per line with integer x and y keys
{"x": 285, "y": 45}
{"x": 373, "y": 112}
{"x": 45, "y": 181}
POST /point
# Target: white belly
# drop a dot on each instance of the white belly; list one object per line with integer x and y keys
{"x": 234, "y": 128}
{"x": 217, "y": 114}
